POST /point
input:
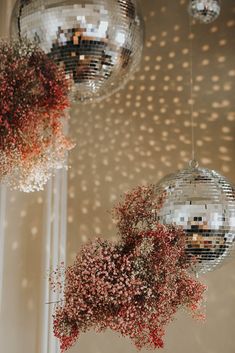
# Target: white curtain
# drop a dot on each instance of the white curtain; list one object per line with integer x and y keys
{"x": 34, "y": 243}
{"x": 54, "y": 252}
{"x": 2, "y": 238}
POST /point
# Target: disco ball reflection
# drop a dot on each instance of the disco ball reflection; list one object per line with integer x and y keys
{"x": 202, "y": 202}
{"x": 98, "y": 42}
{"x": 205, "y": 11}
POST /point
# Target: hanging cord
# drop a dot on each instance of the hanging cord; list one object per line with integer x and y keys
{"x": 193, "y": 162}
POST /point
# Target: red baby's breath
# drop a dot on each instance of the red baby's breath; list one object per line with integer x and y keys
{"x": 134, "y": 287}
{"x": 33, "y": 97}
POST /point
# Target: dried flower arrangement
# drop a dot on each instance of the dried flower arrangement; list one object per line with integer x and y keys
{"x": 133, "y": 287}
{"x": 33, "y": 96}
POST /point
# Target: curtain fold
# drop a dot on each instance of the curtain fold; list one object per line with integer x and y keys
{"x": 2, "y": 238}
{"x": 54, "y": 252}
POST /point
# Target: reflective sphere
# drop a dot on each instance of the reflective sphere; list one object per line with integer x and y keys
{"x": 206, "y": 11}
{"x": 202, "y": 202}
{"x": 98, "y": 42}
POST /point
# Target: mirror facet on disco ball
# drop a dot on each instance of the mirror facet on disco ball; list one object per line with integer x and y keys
{"x": 205, "y": 11}
{"x": 98, "y": 42}
{"x": 202, "y": 202}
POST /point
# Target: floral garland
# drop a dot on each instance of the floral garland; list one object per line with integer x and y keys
{"x": 33, "y": 97}
{"x": 133, "y": 287}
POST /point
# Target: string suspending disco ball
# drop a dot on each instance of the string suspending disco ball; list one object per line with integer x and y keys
{"x": 202, "y": 202}
{"x": 98, "y": 42}
{"x": 205, "y": 11}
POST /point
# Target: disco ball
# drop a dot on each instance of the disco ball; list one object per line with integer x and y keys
{"x": 206, "y": 11}
{"x": 202, "y": 202}
{"x": 98, "y": 42}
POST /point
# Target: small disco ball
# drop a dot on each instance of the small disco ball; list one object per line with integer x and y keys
{"x": 206, "y": 11}
{"x": 98, "y": 42}
{"x": 202, "y": 202}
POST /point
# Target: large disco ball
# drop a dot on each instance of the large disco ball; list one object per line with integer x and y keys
{"x": 98, "y": 42}
{"x": 202, "y": 202}
{"x": 205, "y": 11}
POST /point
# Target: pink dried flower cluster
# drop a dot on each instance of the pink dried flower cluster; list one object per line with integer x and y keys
{"x": 133, "y": 287}
{"x": 137, "y": 211}
{"x": 33, "y": 96}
